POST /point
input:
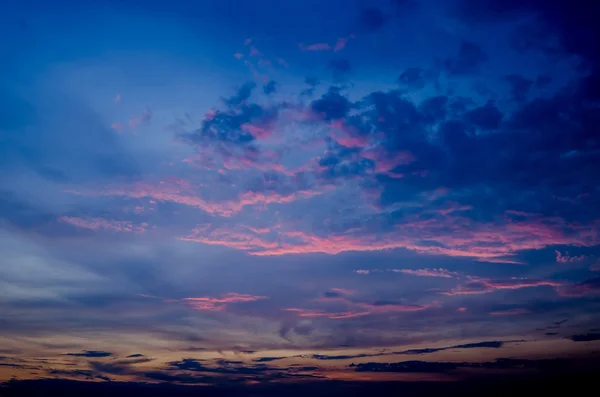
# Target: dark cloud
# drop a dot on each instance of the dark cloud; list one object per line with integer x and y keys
{"x": 267, "y": 359}
{"x": 573, "y": 22}
{"x": 225, "y": 367}
{"x": 79, "y": 373}
{"x": 486, "y": 117}
{"x": 135, "y": 355}
{"x": 332, "y": 105}
{"x": 413, "y": 78}
{"x": 111, "y": 368}
{"x": 519, "y": 87}
{"x": 90, "y": 353}
{"x": 270, "y": 87}
{"x": 585, "y": 337}
{"x": 242, "y": 95}
{"x": 438, "y": 367}
{"x": 468, "y": 61}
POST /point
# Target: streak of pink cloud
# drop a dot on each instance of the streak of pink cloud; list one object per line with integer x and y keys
{"x": 321, "y": 313}
{"x": 219, "y": 303}
{"x": 258, "y": 131}
{"x": 177, "y": 192}
{"x": 428, "y": 272}
{"x": 143, "y": 117}
{"x": 478, "y": 286}
{"x": 238, "y": 55}
{"x": 117, "y": 127}
{"x": 390, "y": 307}
{"x": 340, "y": 44}
{"x": 461, "y": 309}
{"x": 585, "y": 288}
{"x": 315, "y": 47}
{"x": 347, "y": 135}
{"x": 343, "y": 291}
{"x": 254, "y": 52}
{"x": 104, "y": 224}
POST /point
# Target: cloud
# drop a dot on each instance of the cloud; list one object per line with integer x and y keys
{"x": 510, "y": 312}
{"x": 90, "y": 353}
{"x": 428, "y": 272}
{"x": 104, "y": 224}
{"x": 270, "y": 87}
{"x": 142, "y": 118}
{"x": 220, "y": 303}
{"x": 584, "y": 288}
{"x": 439, "y": 367}
{"x": 322, "y": 313}
{"x": 468, "y": 61}
{"x": 566, "y": 258}
{"x": 585, "y": 337}
{"x": 520, "y": 87}
{"x": 315, "y": 47}
{"x": 478, "y": 285}
{"x": 413, "y": 78}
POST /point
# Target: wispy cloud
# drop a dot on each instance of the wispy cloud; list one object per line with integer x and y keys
{"x": 476, "y": 285}
{"x": 104, "y": 224}
{"x": 219, "y": 303}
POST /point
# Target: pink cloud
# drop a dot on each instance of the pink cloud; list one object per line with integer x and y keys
{"x": 346, "y": 135}
{"x": 595, "y": 268}
{"x": 248, "y": 41}
{"x": 360, "y": 271}
{"x": 254, "y": 52}
{"x": 343, "y": 291}
{"x": 385, "y": 161}
{"x": 230, "y": 238}
{"x": 428, "y": 272}
{"x": 220, "y": 303}
{"x": 117, "y": 127}
{"x": 390, "y": 307}
{"x": 104, "y": 224}
{"x": 461, "y": 309}
{"x": 340, "y": 44}
{"x": 585, "y": 288}
{"x": 238, "y": 55}
{"x": 451, "y": 236}
{"x": 283, "y": 62}
{"x": 478, "y": 285}
{"x": 117, "y": 98}
{"x": 258, "y": 131}
{"x": 143, "y": 117}
{"x": 321, "y": 313}
{"x": 179, "y": 192}
{"x": 510, "y": 312}
{"x": 315, "y": 47}
{"x": 565, "y": 258}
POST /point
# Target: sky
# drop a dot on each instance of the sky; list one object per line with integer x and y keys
{"x": 262, "y": 191}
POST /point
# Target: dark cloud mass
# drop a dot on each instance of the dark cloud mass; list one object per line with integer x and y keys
{"x": 90, "y": 353}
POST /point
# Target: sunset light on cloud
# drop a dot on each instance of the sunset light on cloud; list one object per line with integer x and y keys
{"x": 260, "y": 192}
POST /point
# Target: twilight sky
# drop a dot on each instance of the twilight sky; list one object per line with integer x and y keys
{"x": 267, "y": 189}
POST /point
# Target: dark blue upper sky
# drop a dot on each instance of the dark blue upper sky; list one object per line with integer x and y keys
{"x": 209, "y": 187}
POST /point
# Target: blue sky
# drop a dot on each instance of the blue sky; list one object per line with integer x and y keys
{"x": 214, "y": 185}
